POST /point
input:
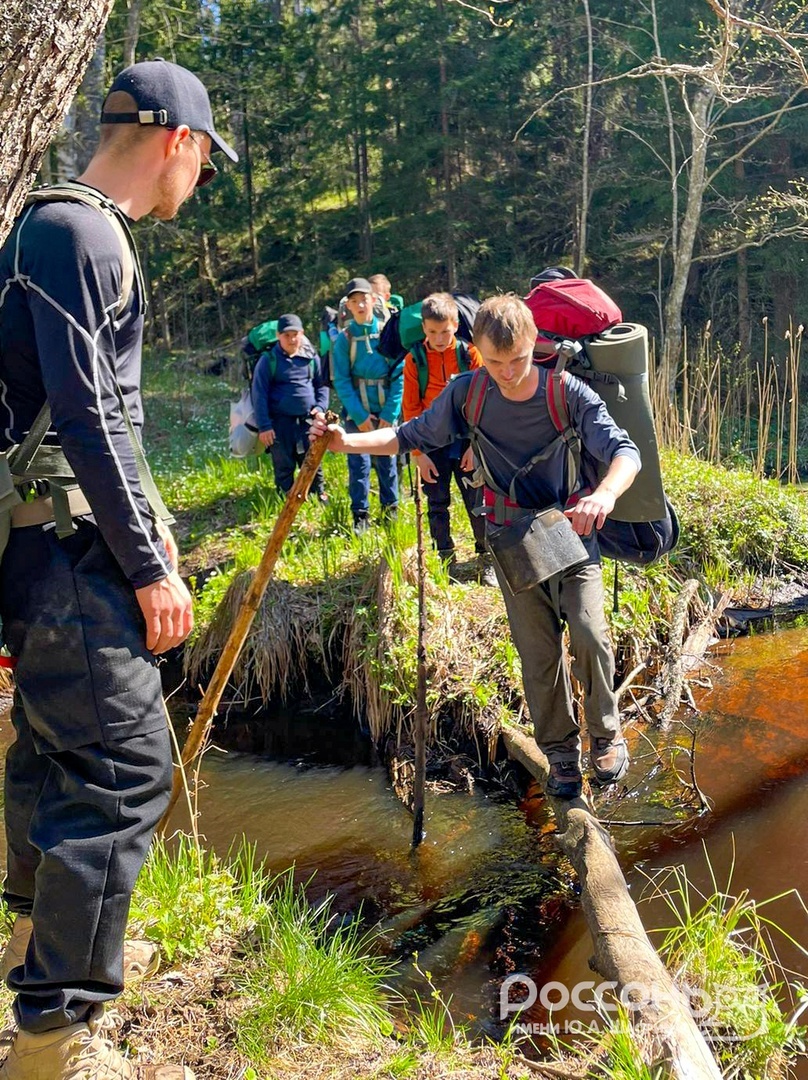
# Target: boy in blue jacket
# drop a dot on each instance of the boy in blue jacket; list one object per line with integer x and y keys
{"x": 287, "y": 387}
{"x": 370, "y": 388}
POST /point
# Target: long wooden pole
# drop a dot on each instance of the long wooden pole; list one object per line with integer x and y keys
{"x": 421, "y": 715}
{"x": 247, "y": 612}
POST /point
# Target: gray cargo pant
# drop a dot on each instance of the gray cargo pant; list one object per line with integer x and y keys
{"x": 88, "y": 777}
{"x": 537, "y": 632}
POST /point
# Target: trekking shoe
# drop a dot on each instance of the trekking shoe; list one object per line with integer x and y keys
{"x": 447, "y": 556}
{"x": 388, "y": 515}
{"x": 78, "y": 1052}
{"x": 486, "y": 574}
{"x": 361, "y": 522}
{"x": 609, "y": 759}
{"x": 141, "y": 959}
{"x": 565, "y": 780}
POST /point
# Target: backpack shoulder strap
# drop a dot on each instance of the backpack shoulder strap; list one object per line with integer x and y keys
{"x": 475, "y": 398}
{"x": 463, "y": 355}
{"x": 560, "y": 415}
{"x": 418, "y": 353}
{"x": 130, "y": 263}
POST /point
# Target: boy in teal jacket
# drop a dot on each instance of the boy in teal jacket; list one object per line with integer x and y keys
{"x": 370, "y": 388}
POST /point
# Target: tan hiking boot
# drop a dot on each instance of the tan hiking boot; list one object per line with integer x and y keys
{"x": 141, "y": 959}
{"x": 78, "y": 1052}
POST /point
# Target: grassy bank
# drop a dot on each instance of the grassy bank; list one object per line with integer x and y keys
{"x": 258, "y": 984}
{"x": 346, "y": 606}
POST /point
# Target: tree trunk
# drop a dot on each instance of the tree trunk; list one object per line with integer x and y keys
{"x": 248, "y": 181}
{"x": 132, "y": 31}
{"x": 451, "y": 254}
{"x": 744, "y": 313}
{"x": 580, "y": 259}
{"x": 44, "y": 51}
{"x": 700, "y": 136}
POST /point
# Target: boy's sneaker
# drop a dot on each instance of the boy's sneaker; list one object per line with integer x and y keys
{"x": 78, "y": 1052}
{"x": 609, "y": 758}
{"x": 141, "y": 959}
{"x": 361, "y": 522}
{"x": 565, "y": 780}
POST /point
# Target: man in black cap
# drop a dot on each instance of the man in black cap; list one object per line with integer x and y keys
{"x": 287, "y": 387}
{"x": 89, "y": 589}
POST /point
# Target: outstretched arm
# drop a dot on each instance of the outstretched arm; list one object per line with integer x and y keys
{"x": 382, "y": 441}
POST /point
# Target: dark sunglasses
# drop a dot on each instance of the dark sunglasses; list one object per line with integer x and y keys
{"x": 207, "y": 170}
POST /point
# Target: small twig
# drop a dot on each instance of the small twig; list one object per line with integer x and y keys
{"x": 546, "y": 1069}
{"x": 626, "y": 683}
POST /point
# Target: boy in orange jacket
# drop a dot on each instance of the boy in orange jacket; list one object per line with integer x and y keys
{"x": 428, "y": 367}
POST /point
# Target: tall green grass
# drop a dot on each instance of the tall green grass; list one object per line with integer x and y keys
{"x": 720, "y": 949}
{"x": 309, "y": 977}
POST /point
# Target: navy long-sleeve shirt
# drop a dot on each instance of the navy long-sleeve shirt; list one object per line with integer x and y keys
{"x": 60, "y": 338}
{"x": 294, "y": 388}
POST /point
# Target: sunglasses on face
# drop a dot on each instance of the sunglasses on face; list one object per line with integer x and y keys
{"x": 207, "y": 170}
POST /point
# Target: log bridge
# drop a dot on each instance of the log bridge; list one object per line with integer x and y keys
{"x": 665, "y": 1031}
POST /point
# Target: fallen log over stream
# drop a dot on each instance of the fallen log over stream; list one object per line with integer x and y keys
{"x": 663, "y": 1025}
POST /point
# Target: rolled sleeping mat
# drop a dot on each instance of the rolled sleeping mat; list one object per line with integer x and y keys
{"x": 622, "y": 351}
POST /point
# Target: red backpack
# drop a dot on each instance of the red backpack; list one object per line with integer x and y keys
{"x": 571, "y": 308}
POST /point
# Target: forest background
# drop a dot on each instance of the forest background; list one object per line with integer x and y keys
{"x": 659, "y": 149}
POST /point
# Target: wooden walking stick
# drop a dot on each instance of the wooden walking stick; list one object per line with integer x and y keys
{"x": 198, "y": 734}
{"x": 421, "y": 715}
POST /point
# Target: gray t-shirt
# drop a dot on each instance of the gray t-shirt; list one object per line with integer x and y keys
{"x": 513, "y": 432}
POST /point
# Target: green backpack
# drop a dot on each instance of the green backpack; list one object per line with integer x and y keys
{"x": 263, "y": 336}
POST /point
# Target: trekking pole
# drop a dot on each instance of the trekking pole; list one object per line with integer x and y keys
{"x": 197, "y": 737}
{"x": 421, "y": 716}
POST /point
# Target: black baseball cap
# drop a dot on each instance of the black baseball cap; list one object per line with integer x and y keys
{"x": 289, "y": 322}
{"x": 167, "y": 95}
{"x": 358, "y": 284}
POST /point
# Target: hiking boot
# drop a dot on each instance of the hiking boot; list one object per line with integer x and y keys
{"x": 141, "y": 959}
{"x": 78, "y": 1052}
{"x": 361, "y": 522}
{"x": 388, "y": 515}
{"x": 609, "y": 759}
{"x": 486, "y": 574}
{"x": 447, "y": 556}
{"x": 565, "y": 780}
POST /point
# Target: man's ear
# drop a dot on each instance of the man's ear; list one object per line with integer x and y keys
{"x": 176, "y": 138}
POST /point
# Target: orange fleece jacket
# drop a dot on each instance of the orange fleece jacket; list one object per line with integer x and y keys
{"x": 440, "y": 368}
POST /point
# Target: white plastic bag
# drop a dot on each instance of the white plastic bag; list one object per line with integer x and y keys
{"x": 243, "y": 428}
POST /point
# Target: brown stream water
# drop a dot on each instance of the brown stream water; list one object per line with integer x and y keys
{"x": 475, "y": 899}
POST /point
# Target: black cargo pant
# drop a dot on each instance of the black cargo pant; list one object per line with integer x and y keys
{"x": 88, "y": 777}
{"x": 288, "y": 451}
{"x": 439, "y": 497}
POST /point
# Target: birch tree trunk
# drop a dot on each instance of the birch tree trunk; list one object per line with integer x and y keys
{"x": 45, "y": 47}
{"x": 699, "y": 112}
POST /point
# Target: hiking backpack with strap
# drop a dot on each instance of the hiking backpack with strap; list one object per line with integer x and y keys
{"x": 361, "y": 384}
{"x": 641, "y": 542}
{"x": 24, "y": 464}
{"x": 418, "y": 353}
